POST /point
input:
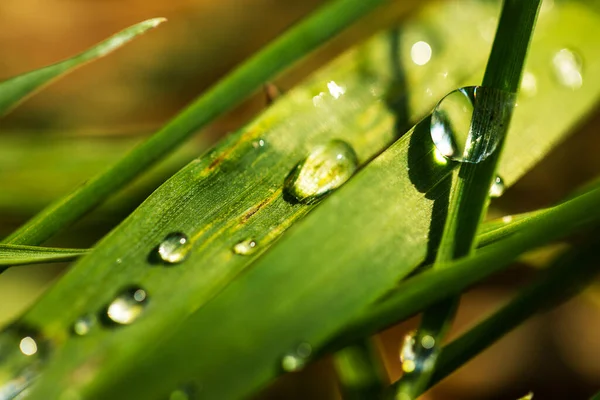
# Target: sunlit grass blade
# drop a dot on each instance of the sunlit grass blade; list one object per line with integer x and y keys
{"x": 18, "y": 88}
{"x": 11, "y": 255}
{"x": 280, "y": 54}
{"x": 469, "y": 196}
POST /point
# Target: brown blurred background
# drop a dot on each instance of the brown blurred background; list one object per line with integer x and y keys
{"x": 106, "y": 107}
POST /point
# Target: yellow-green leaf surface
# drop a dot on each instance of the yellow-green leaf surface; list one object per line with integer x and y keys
{"x": 11, "y": 254}
{"x": 226, "y": 339}
{"x": 14, "y": 90}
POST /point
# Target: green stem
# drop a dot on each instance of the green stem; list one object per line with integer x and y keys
{"x": 469, "y": 197}
{"x": 291, "y": 46}
{"x": 567, "y": 276}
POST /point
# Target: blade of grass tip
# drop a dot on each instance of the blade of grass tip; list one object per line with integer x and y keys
{"x": 469, "y": 197}
{"x": 567, "y": 276}
{"x": 359, "y": 371}
{"x": 250, "y": 76}
{"x": 15, "y": 90}
{"x": 12, "y": 255}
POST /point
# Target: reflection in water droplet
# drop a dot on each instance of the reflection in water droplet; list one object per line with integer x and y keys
{"x": 420, "y": 53}
{"x": 245, "y": 247}
{"x": 28, "y": 346}
{"x": 296, "y": 360}
{"x": 84, "y": 325}
{"x": 127, "y": 307}
{"x": 174, "y": 248}
{"x": 528, "y": 84}
{"x": 497, "y": 188}
{"x": 335, "y": 90}
{"x": 463, "y": 135}
{"x": 567, "y": 68}
{"x": 326, "y": 168}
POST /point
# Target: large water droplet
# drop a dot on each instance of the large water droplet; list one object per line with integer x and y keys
{"x": 127, "y": 307}
{"x": 174, "y": 248}
{"x": 326, "y": 168}
{"x": 245, "y": 247}
{"x": 460, "y": 137}
{"x": 497, "y": 189}
{"x": 22, "y": 352}
{"x": 567, "y": 68}
{"x": 297, "y": 359}
{"x": 84, "y": 324}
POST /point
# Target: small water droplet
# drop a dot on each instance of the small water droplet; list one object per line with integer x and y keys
{"x": 460, "y": 137}
{"x": 497, "y": 189}
{"x": 174, "y": 248}
{"x": 567, "y": 68}
{"x": 22, "y": 351}
{"x": 257, "y": 144}
{"x": 507, "y": 219}
{"x": 297, "y": 359}
{"x": 528, "y": 84}
{"x": 415, "y": 357}
{"x": 407, "y": 352}
{"x": 420, "y": 53}
{"x": 428, "y": 341}
{"x": 84, "y": 325}
{"x": 245, "y": 247}
{"x": 127, "y": 307}
{"x": 119, "y": 261}
{"x": 326, "y": 168}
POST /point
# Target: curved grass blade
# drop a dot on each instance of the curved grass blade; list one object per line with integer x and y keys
{"x": 288, "y": 48}
{"x": 347, "y": 253}
{"x": 17, "y": 89}
{"x": 469, "y": 196}
{"x": 11, "y": 255}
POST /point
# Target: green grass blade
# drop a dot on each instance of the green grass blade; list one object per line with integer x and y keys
{"x": 360, "y": 372}
{"x": 563, "y": 279}
{"x": 17, "y": 89}
{"x": 430, "y": 286}
{"x": 11, "y": 255}
{"x": 229, "y": 337}
{"x": 469, "y": 196}
{"x": 290, "y": 47}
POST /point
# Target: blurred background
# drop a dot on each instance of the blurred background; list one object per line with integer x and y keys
{"x": 80, "y": 124}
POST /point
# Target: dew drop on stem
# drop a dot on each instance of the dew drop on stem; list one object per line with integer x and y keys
{"x": 174, "y": 248}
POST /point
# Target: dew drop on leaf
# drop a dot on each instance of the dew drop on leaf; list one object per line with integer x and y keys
{"x": 567, "y": 68}
{"x": 464, "y": 135}
{"x": 127, "y": 307}
{"x": 326, "y": 168}
{"x": 174, "y": 248}
{"x": 497, "y": 189}
{"x": 83, "y": 325}
{"x": 297, "y": 359}
{"x": 245, "y": 247}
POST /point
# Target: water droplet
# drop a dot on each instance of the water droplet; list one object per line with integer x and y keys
{"x": 326, "y": 168}
{"x": 415, "y": 357}
{"x": 28, "y": 346}
{"x": 461, "y": 134}
{"x": 407, "y": 353}
{"x": 567, "y": 68}
{"x": 428, "y": 341}
{"x": 507, "y": 219}
{"x": 127, "y": 307}
{"x": 296, "y": 360}
{"x": 245, "y": 247}
{"x": 420, "y": 53}
{"x": 22, "y": 351}
{"x": 257, "y": 144}
{"x": 84, "y": 325}
{"x": 497, "y": 189}
{"x": 174, "y": 248}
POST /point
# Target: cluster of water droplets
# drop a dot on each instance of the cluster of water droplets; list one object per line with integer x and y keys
{"x": 415, "y": 356}
{"x": 296, "y": 359}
